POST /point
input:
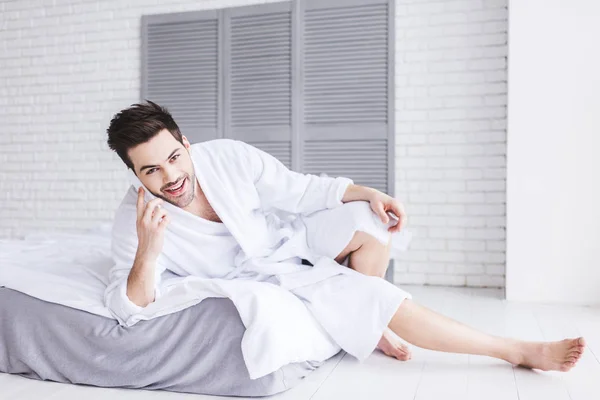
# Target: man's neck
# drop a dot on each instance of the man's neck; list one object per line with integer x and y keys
{"x": 197, "y": 206}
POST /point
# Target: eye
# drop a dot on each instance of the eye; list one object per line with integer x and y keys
{"x": 172, "y": 158}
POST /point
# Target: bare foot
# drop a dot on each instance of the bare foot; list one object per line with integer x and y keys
{"x": 393, "y": 347}
{"x": 561, "y": 355}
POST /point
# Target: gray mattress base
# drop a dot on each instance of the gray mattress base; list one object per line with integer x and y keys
{"x": 196, "y": 350}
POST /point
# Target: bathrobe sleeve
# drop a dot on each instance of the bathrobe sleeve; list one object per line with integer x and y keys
{"x": 281, "y": 188}
{"x": 123, "y": 250}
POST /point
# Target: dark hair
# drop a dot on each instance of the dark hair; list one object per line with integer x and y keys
{"x": 138, "y": 124}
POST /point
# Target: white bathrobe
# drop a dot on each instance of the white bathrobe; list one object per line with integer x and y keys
{"x": 292, "y": 312}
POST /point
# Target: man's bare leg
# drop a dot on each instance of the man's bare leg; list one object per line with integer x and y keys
{"x": 370, "y": 257}
{"x": 425, "y": 328}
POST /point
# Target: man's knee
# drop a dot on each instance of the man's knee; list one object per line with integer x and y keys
{"x": 366, "y": 219}
{"x": 372, "y": 257}
{"x": 368, "y": 225}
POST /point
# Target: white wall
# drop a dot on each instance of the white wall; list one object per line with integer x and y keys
{"x": 451, "y": 139}
{"x": 66, "y": 69}
{"x": 553, "y": 194}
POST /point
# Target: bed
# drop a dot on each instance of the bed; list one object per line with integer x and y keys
{"x": 196, "y": 350}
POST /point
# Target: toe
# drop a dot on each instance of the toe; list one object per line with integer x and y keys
{"x": 574, "y": 353}
{"x": 565, "y": 367}
{"x": 405, "y": 354}
{"x": 574, "y": 343}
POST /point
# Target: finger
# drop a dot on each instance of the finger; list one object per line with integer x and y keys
{"x": 152, "y": 203}
{"x": 403, "y": 220}
{"x": 384, "y": 217}
{"x": 398, "y": 210}
{"x": 400, "y": 217}
{"x": 150, "y": 207}
{"x": 158, "y": 214}
{"x": 140, "y": 202}
{"x": 155, "y": 210}
{"x": 164, "y": 221}
{"x": 395, "y": 228}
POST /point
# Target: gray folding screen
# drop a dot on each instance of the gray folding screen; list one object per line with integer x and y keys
{"x": 180, "y": 69}
{"x": 257, "y": 66}
{"x": 310, "y": 82}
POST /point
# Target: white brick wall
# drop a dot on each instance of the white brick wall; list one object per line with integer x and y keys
{"x": 65, "y": 69}
{"x": 451, "y": 139}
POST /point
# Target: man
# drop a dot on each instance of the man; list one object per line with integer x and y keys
{"x": 225, "y": 209}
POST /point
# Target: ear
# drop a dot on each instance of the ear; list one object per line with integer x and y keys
{"x": 186, "y": 143}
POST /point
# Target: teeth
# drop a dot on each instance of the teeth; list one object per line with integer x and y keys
{"x": 177, "y": 188}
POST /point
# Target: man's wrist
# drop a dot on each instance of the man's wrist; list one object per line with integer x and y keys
{"x": 358, "y": 192}
{"x": 144, "y": 259}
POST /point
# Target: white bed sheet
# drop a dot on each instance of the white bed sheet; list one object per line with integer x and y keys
{"x": 63, "y": 268}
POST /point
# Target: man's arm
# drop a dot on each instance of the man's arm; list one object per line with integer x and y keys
{"x": 357, "y": 192}
{"x": 281, "y": 188}
{"x": 127, "y": 292}
{"x": 140, "y": 282}
{"x": 134, "y": 279}
{"x": 381, "y": 203}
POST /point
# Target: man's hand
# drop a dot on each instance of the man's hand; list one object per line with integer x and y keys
{"x": 152, "y": 221}
{"x": 381, "y": 203}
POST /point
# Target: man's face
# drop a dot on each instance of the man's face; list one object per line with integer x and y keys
{"x": 163, "y": 163}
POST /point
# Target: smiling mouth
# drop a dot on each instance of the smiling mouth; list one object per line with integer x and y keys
{"x": 177, "y": 190}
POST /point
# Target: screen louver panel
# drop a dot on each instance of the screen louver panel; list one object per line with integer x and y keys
{"x": 259, "y": 84}
{"x": 278, "y": 149}
{"x": 346, "y": 101}
{"x": 181, "y": 73}
{"x": 345, "y": 65}
{"x": 365, "y": 161}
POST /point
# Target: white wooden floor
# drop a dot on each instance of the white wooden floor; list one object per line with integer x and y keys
{"x": 429, "y": 375}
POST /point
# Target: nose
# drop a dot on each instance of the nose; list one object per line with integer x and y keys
{"x": 172, "y": 176}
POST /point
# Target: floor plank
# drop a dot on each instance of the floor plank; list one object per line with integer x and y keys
{"x": 488, "y": 315}
{"x": 19, "y": 387}
{"x": 446, "y": 374}
{"x": 532, "y": 384}
{"x": 378, "y": 377}
{"x": 560, "y": 322}
{"x": 313, "y": 382}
